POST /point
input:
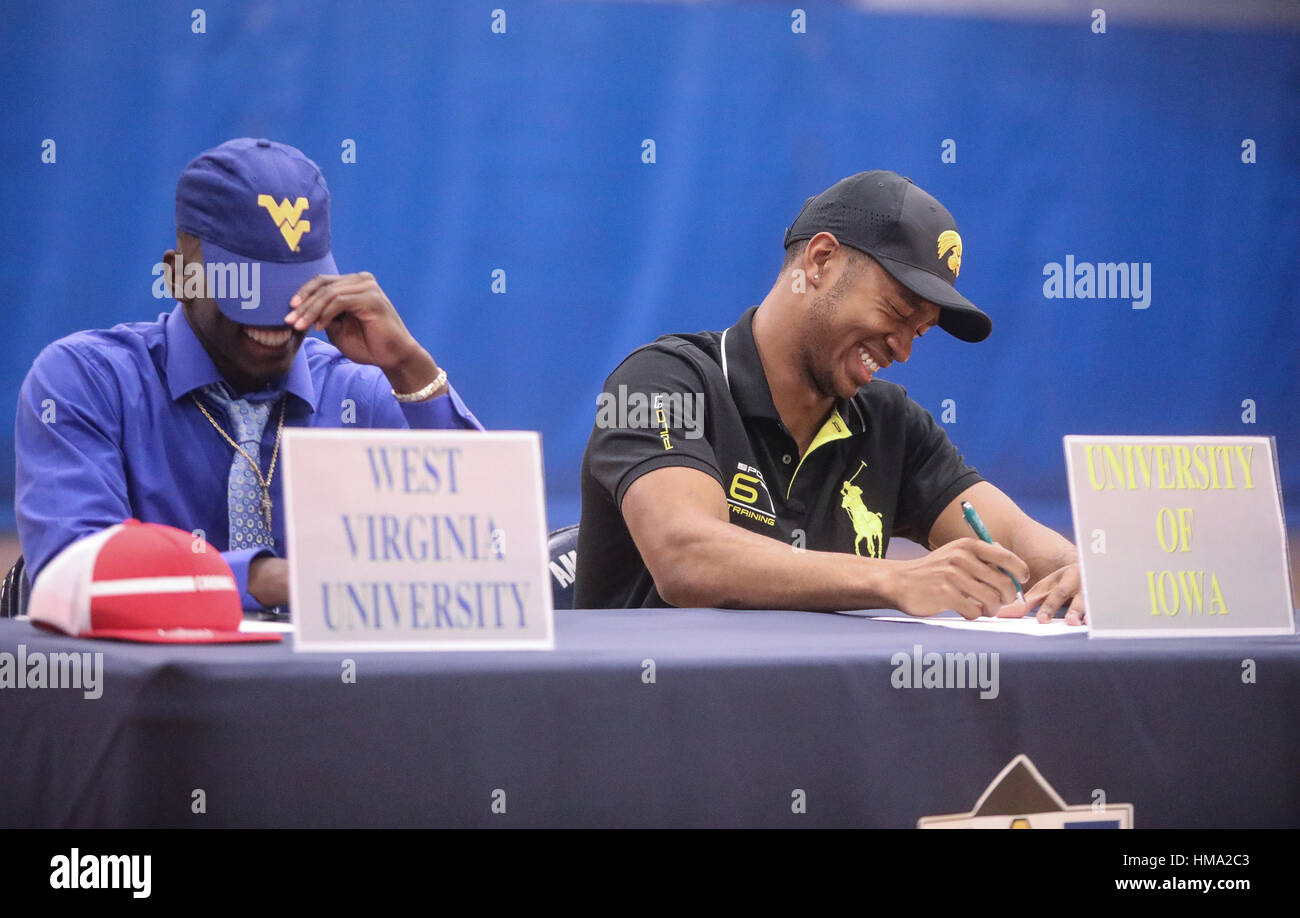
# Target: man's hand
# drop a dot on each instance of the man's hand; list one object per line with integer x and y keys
{"x": 1059, "y": 588}
{"x": 962, "y": 575}
{"x": 268, "y": 581}
{"x": 1050, "y": 556}
{"x": 364, "y": 325}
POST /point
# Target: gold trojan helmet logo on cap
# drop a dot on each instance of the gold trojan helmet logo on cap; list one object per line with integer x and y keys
{"x": 949, "y": 239}
{"x": 287, "y": 217}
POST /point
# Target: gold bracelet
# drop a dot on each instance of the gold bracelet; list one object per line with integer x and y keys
{"x": 424, "y": 394}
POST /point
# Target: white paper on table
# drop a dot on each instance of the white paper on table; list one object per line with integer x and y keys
{"x": 251, "y": 626}
{"x": 1028, "y": 625}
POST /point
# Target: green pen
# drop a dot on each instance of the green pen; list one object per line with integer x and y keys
{"x": 977, "y": 524}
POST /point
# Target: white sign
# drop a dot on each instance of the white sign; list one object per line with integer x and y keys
{"x": 1020, "y": 798}
{"x": 1180, "y": 536}
{"x": 416, "y": 540}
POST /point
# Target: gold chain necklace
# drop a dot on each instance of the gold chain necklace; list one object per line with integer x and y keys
{"x": 264, "y": 483}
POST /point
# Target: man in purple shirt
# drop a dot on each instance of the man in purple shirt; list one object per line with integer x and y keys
{"x": 179, "y": 421}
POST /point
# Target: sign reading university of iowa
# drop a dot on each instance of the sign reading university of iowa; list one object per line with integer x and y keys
{"x": 1020, "y": 798}
{"x": 1180, "y": 536}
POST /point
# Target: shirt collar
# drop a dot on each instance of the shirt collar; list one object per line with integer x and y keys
{"x": 744, "y": 372}
{"x": 189, "y": 367}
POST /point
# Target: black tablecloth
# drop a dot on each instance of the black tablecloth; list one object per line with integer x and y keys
{"x": 745, "y": 709}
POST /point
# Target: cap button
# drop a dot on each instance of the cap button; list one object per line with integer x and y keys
{"x": 264, "y": 142}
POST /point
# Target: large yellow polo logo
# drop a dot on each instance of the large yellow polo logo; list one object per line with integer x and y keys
{"x": 286, "y": 217}
{"x": 949, "y": 239}
{"x": 866, "y": 523}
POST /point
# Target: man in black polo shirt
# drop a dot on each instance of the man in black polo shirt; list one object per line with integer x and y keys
{"x": 764, "y": 467}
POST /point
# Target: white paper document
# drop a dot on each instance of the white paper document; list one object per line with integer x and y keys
{"x": 252, "y": 626}
{"x": 1028, "y": 625}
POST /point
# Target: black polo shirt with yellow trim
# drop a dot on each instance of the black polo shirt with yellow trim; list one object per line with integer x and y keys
{"x": 879, "y": 466}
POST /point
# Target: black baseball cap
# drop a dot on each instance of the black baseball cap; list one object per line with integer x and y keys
{"x": 907, "y": 231}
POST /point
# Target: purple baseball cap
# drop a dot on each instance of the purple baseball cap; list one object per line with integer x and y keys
{"x": 262, "y": 210}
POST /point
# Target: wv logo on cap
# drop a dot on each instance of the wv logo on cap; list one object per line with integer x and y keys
{"x": 948, "y": 239}
{"x": 286, "y": 217}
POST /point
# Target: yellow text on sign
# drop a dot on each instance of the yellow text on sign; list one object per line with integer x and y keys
{"x": 1174, "y": 534}
{"x": 1172, "y": 592}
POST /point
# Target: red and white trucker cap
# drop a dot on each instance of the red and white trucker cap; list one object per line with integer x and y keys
{"x": 141, "y": 582}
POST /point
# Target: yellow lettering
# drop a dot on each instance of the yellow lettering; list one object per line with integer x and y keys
{"x": 745, "y": 511}
{"x": 1185, "y": 528}
{"x": 1092, "y": 470}
{"x": 1165, "y": 525}
{"x": 1216, "y": 597}
{"x": 1198, "y": 456}
{"x": 1183, "y": 463}
{"x": 1226, "y": 453}
{"x": 663, "y": 428}
{"x": 1191, "y": 582}
{"x": 1151, "y": 588}
{"x": 1162, "y": 460}
{"x": 1116, "y": 467}
{"x": 1244, "y": 455}
{"x": 742, "y": 491}
{"x": 1145, "y": 461}
{"x": 1169, "y": 596}
{"x": 1168, "y": 588}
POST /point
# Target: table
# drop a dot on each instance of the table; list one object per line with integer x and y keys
{"x": 745, "y": 709}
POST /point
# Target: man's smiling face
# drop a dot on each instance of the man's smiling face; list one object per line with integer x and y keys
{"x": 862, "y": 324}
{"x": 248, "y": 356}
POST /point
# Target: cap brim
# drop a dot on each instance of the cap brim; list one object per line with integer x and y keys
{"x": 273, "y": 284}
{"x": 168, "y": 635}
{"x": 958, "y": 316}
{"x": 183, "y": 636}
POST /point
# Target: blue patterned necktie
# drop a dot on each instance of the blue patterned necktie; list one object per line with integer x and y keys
{"x": 248, "y": 527}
